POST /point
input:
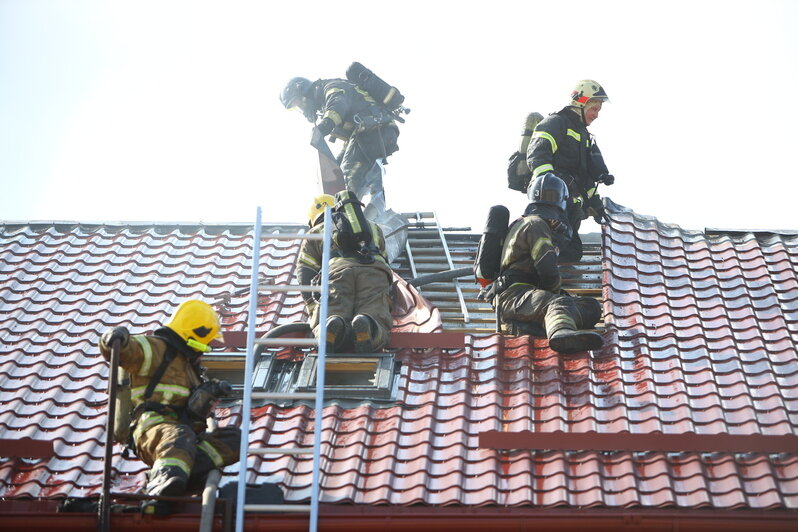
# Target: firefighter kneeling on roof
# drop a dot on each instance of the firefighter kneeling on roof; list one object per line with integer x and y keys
{"x": 528, "y": 288}
{"x": 172, "y": 401}
{"x": 359, "y": 303}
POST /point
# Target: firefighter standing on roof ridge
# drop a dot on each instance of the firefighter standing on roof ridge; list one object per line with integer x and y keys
{"x": 562, "y": 144}
{"x": 359, "y": 304}
{"x": 346, "y": 112}
{"x": 172, "y": 401}
{"x": 528, "y": 288}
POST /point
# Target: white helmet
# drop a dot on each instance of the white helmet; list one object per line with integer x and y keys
{"x": 587, "y": 90}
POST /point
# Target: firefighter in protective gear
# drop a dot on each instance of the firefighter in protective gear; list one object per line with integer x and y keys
{"x": 343, "y": 111}
{"x": 167, "y": 382}
{"x": 562, "y": 144}
{"x": 359, "y": 301}
{"x": 320, "y": 203}
{"x": 528, "y": 289}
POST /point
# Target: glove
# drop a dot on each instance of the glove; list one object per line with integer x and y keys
{"x": 205, "y": 397}
{"x": 326, "y": 126}
{"x": 487, "y": 293}
{"x": 117, "y": 333}
{"x": 221, "y": 388}
{"x": 577, "y": 210}
{"x": 595, "y": 208}
{"x": 607, "y": 179}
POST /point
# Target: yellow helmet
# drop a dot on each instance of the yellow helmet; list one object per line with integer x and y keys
{"x": 197, "y": 323}
{"x": 317, "y": 207}
{"x": 587, "y": 90}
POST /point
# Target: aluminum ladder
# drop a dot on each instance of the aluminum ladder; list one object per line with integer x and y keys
{"x": 246, "y": 409}
{"x": 432, "y": 251}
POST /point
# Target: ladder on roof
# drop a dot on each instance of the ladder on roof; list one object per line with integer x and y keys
{"x": 432, "y": 253}
{"x": 318, "y": 396}
{"x": 425, "y": 257}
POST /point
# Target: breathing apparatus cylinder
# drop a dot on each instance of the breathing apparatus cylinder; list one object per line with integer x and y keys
{"x": 489, "y": 254}
{"x": 378, "y": 89}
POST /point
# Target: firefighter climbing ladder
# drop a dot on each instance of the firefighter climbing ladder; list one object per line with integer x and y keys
{"x": 318, "y": 396}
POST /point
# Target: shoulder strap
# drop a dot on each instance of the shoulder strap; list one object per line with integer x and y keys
{"x": 168, "y": 357}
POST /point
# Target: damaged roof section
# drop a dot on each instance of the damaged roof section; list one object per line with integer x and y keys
{"x": 700, "y": 335}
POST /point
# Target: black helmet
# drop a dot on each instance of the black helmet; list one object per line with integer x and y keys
{"x": 298, "y": 94}
{"x": 548, "y": 196}
{"x": 548, "y": 189}
{"x": 295, "y": 89}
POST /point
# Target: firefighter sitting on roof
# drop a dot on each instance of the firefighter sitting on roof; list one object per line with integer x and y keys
{"x": 346, "y": 112}
{"x": 359, "y": 303}
{"x": 173, "y": 400}
{"x": 528, "y": 288}
{"x": 562, "y": 144}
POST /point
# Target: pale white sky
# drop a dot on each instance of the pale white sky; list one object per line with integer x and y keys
{"x": 169, "y": 111}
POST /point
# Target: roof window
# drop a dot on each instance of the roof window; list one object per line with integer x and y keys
{"x": 351, "y": 376}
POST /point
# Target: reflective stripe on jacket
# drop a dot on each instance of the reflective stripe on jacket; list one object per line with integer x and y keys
{"x": 561, "y": 143}
{"x": 141, "y": 358}
{"x": 528, "y": 249}
{"x": 343, "y": 101}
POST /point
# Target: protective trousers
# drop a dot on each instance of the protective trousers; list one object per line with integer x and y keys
{"x": 362, "y": 150}
{"x": 525, "y": 303}
{"x": 572, "y": 251}
{"x": 176, "y": 446}
{"x": 360, "y": 289}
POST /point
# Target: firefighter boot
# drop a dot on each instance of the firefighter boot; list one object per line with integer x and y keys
{"x": 166, "y": 481}
{"x": 573, "y": 341}
{"x": 561, "y": 327}
{"x": 366, "y": 334}
{"x": 337, "y": 333}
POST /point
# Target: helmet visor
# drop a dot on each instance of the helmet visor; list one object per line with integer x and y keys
{"x": 550, "y": 196}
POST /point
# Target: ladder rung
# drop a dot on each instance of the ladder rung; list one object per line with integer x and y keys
{"x": 277, "y": 508}
{"x": 275, "y": 395}
{"x": 425, "y": 242}
{"x": 280, "y": 450}
{"x": 293, "y": 236}
{"x": 288, "y": 342}
{"x": 289, "y": 288}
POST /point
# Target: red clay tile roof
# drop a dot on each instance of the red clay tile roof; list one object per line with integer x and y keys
{"x": 701, "y": 334}
{"x": 64, "y": 283}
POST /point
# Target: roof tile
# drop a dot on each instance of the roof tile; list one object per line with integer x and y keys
{"x": 700, "y": 337}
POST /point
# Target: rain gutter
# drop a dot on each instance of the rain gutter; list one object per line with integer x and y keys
{"x": 507, "y": 519}
{"x": 348, "y": 518}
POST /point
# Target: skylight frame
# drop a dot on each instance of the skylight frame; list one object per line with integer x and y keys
{"x": 384, "y": 376}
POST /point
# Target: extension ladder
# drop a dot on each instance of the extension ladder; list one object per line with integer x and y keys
{"x": 246, "y": 408}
